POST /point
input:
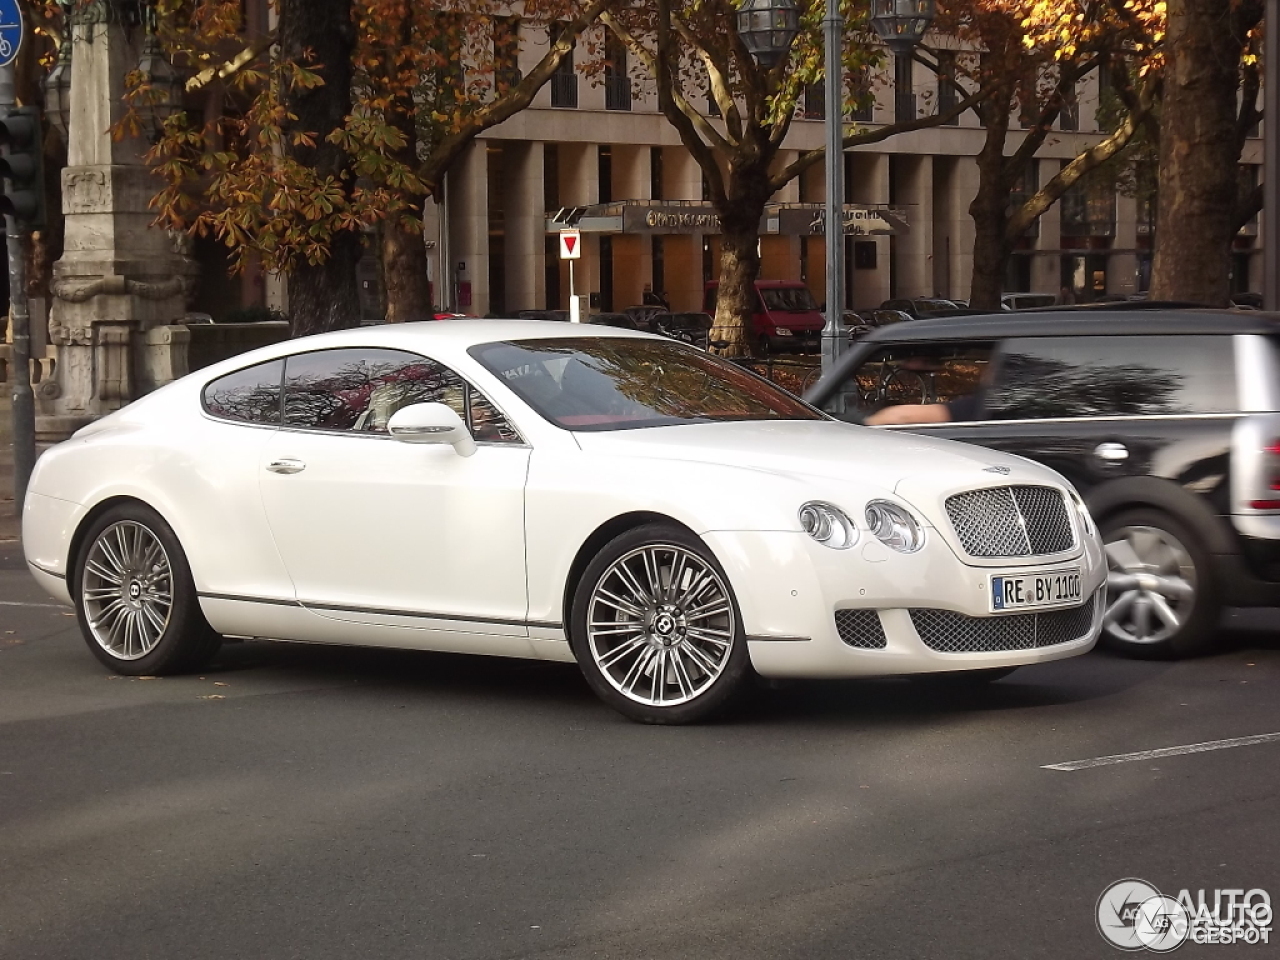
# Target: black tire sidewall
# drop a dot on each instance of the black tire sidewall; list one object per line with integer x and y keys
{"x": 188, "y": 640}
{"x": 1195, "y": 636}
{"x": 727, "y": 687}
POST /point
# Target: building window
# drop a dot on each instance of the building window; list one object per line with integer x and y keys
{"x": 904, "y": 97}
{"x": 1023, "y": 189}
{"x": 815, "y": 101}
{"x": 708, "y": 261}
{"x": 550, "y": 177}
{"x": 506, "y": 54}
{"x": 1069, "y": 116}
{"x": 564, "y": 82}
{"x": 1089, "y": 209}
{"x": 864, "y": 98}
{"x": 604, "y": 172}
{"x": 655, "y": 173}
{"x": 659, "y": 265}
{"x": 947, "y": 84}
{"x": 617, "y": 82}
{"x": 606, "y": 273}
{"x": 706, "y": 188}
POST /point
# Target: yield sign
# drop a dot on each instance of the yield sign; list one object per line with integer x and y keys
{"x": 570, "y": 245}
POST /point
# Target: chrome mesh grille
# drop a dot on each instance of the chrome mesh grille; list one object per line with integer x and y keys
{"x": 861, "y": 628}
{"x": 1022, "y": 521}
{"x": 949, "y": 632}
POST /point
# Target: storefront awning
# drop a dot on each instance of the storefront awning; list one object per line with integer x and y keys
{"x": 690, "y": 217}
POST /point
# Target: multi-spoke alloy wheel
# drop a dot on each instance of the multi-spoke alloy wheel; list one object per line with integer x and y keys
{"x": 656, "y": 627}
{"x": 127, "y": 590}
{"x": 1157, "y": 603}
{"x": 134, "y": 598}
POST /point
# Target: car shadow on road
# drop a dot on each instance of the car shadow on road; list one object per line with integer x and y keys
{"x": 561, "y": 685}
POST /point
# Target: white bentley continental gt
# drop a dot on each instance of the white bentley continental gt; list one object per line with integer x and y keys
{"x": 662, "y": 517}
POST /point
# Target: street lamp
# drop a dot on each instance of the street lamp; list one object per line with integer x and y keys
{"x": 901, "y": 23}
{"x": 767, "y": 28}
{"x": 57, "y": 85}
{"x": 164, "y": 85}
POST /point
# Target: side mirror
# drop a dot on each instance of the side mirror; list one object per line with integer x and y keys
{"x": 431, "y": 423}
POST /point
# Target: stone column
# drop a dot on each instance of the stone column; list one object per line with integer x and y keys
{"x": 119, "y": 277}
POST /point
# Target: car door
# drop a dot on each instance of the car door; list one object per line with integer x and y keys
{"x": 379, "y": 531}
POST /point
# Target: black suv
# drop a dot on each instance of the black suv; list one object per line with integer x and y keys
{"x": 1167, "y": 421}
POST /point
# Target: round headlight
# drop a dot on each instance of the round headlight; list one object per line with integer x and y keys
{"x": 828, "y": 525}
{"x": 894, "y": 526}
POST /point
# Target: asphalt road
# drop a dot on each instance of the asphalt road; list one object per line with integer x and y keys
{"x": 331, "y": 803}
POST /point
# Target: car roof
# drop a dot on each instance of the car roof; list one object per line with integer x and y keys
{"x": 1152, "y": 319}
{"x": 456, "y": 333}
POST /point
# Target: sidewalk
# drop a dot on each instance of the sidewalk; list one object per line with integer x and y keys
{"x": 9, "y": 524}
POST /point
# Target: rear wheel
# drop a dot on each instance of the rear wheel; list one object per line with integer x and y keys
{"x": 134, "y": 597}
{"x": 1162, "y": 599}
{"x": 656, "y": 628}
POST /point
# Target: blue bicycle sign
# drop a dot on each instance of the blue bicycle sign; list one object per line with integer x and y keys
{"x": 11, "y": 31}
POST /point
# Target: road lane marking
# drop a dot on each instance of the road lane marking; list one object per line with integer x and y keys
{"x": 1164, "y": 752}
{"x": 34, "y": 606}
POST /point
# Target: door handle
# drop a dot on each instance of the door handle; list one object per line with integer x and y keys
{"x": 286, "y": 465}
{"x": 1111, "y": 452}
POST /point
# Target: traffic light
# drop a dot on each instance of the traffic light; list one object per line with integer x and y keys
{"x": 22, "y": 166}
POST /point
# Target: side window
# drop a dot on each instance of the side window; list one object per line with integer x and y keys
{"x": 915, "y": 374}
{"x": 251, "y": 395}
{"x": 358, "y": 390}
{"x": 1113, "y": 377}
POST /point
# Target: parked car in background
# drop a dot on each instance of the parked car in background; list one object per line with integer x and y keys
{"x": 918, "y": 308}
{"x": 1167, "y": 421}
{"x": 1026, "y": 301}
{"x": 661, "y": 516}
{"x": 786, "y": 318}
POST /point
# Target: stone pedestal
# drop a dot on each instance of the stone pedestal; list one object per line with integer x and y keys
{"x": 119, "y": 276}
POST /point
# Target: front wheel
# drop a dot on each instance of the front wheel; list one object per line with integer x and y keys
{"x": 656, "y": 629}
{"x": 1162, "y": 600}
{"x": 134, "y": 597}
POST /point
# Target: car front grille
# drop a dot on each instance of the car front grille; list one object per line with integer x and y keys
{"x": 861, "y": 629}
{"x": 1022, "y": 521}
{"x": 949, "y": 632}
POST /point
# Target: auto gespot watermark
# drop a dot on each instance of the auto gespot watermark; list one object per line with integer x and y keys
{"x": 1133, "y": 915}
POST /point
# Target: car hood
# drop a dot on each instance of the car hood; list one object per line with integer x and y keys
{"x": 831, "y": 450}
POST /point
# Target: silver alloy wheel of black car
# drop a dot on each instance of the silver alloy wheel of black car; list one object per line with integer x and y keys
{"x": 127, "y": 590}
{"x": 660, "y": 625}
{"x": 1151, "y": 585}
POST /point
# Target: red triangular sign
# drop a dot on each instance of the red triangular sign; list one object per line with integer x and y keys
{"x": 569, "y": 243}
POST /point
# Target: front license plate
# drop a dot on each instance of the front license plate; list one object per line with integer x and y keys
{"x": 1029, "y": 591}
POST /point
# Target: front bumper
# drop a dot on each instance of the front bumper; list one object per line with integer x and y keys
{"x": 789, "y": 589}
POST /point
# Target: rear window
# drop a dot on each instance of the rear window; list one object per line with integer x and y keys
{"x": 1112, "y": 376}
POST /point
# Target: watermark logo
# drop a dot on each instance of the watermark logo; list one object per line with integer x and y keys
{"x": 1133, "y": 915}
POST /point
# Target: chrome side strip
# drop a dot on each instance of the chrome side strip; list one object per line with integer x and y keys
{"x": 408, "y": 614}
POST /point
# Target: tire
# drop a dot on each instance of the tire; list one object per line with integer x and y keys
{"x": 134, "y": 596}
{"x": 1162, "y": 597}
{"x": 962, "y": 679}
{"x": 634, "y": 640}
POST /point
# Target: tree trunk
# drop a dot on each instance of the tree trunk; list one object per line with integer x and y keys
{"x": 319, "y": 33}
{"x": 747, "y": 192}
{"x": 404, "y": 272}
{"x": 989, "y": 208}
{"x": 1198, "y": 154}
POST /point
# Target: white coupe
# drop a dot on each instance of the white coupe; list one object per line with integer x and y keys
{"x": 662, "y": 517}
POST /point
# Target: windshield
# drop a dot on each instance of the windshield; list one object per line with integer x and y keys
{"x": 788, "y": 299}
{"x": 619, "y": 383}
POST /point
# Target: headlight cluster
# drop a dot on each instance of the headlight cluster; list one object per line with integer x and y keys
{"x": 828, "y": 524}
{"x": 894, "y": 526}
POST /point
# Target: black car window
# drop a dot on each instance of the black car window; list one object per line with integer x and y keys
{"x": 251, "y": 395}
{"x": 359, "y": 389}
{"x": 914, "y": 374}
{"x": 1112, "y": 376}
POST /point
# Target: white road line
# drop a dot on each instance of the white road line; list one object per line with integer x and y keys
{"x": 34, "y": 606}
{"x": 1164, "y": 752}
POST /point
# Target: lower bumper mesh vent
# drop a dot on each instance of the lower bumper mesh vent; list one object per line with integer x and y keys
{"x": 949, "y": 632}
{"x": 861, "y": 629}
